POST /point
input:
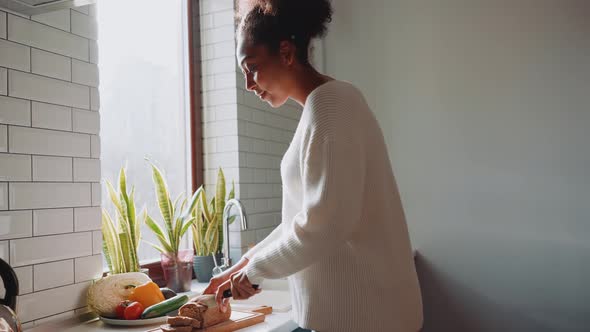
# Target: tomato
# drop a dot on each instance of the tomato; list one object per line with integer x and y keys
{"x": 120, "y": 310}
{"x": 133, "y": 311}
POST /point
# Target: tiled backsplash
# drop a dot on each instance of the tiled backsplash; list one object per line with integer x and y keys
{"x": 242, "y": 134}
{"x": 49, "y": 159}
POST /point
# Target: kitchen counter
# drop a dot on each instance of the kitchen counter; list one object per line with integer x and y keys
{"x": 275, "y": 322}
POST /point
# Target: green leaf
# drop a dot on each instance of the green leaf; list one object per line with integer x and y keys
{"x": 220, "y": 194}
{"x": 205, "y": 207}
{"x": 232, "y": 193}
{"x": 121, "y": 238}
{"x": 123, "y": 183}
{"x": 185, "y": 227}
{"x": 175, "y": 208}
{"x": 135, "y": 221}
{"x": 128, "y": 263}
{"x": 157, "y": 247}
{"x": 163, "y": 198}
{"x": 114, "y": 198}
{"x": 159, "y": 233}
{"x": 112, "y": 242}
{"x": 107, "y": 256}
{"x": 196, "y": 239}
{"x": 192, "y": 203}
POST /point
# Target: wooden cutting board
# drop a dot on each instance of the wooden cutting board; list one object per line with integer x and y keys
{"x": 238, "y": 320}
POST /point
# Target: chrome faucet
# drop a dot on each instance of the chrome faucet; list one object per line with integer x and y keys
{"x": 225, "y": 222}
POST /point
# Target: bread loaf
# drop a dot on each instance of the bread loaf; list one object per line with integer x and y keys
{"x": 205, "y": 310}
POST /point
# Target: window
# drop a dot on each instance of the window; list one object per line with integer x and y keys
{"x": 144, "y": 100}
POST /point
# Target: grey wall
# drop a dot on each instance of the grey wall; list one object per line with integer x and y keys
{"x": 486, "y": 110}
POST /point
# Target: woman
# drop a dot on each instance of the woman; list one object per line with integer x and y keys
{"x": 343, "y": 242}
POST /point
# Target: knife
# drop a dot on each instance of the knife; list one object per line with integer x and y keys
{"x": 227, "y": 292}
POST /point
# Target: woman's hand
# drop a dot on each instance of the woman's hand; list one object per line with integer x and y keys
{"x": 214, "y": 283}
{"x": 219, "y": 279}
{"x": 240, "y": 287}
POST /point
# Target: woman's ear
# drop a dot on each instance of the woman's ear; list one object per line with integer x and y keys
{"x": 287, "y": 52}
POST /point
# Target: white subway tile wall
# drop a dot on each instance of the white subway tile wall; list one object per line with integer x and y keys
{"x": 3, "y": 196}
{"x": 51, "y": 116}
{"x": 53, "y": 221}
{"x": 86, "y": 170}
{"x": 15, "y": 111}
{"x": 48, "y": 142}
{"x": 25, "y": 279}
{"x": 43, "y": 304}
{"x": 50, "y": 90}
{"x": 242, "y": 134}
{"x": 15, "y": 55}
{"x": 15, "y": 167}
{"x": 88, "y": 268}
{"x": 54, "y": 274}
{"x": 87, "y": 219}
{"x": 49, "y": 159}
{"x": 86, "y": 121}
{"x": 58, "y": 19}
{"x": 45, "y": 249}
{"x": 2, "y": 25}
{"x": 3, "y": 81}
{"x": 30, "y": 33}
{"x": 4, "y": 250}
{"x": 51, "y": 64}
{"x": 15, "y": 224}
{"x": 52, "y": 168}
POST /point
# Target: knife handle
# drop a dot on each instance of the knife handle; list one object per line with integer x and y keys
{"x": 227, "y": 292}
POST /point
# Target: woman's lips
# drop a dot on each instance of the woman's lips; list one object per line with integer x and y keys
{"x": 261, "y": 95}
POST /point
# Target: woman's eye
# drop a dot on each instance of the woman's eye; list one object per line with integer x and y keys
{"x": 252, "y": 69}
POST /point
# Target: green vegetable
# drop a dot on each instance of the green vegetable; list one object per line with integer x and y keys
{"x": 164, "y": 307}
{"x": 168, "y": 293}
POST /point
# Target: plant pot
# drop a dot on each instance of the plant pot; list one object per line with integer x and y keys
{"x": 204, "y": 265}
{"x": 178, "y": 270}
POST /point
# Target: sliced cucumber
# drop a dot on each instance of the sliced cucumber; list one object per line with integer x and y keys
{"x": 164, "y": 307}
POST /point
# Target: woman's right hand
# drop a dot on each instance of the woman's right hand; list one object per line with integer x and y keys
{"x": 224, "y": 276}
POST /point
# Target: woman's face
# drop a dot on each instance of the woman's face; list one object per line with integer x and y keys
{"x": 265, "y": 73}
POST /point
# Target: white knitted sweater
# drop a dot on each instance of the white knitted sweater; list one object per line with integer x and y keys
{"x": 343, "y": 242}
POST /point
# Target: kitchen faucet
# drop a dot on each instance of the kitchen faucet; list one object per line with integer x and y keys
{"x": 225, "y": 222}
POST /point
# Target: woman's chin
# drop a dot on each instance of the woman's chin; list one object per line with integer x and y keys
{"x": 276, "y": 103}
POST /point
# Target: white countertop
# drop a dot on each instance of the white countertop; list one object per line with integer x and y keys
{"x": 275, "y": 322}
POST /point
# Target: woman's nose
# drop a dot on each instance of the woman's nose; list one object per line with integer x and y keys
{"x": 250, "y": 84}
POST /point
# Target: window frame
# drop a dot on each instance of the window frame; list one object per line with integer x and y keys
{"x": 193, "y": 65}
{"x": 193, "y": 87}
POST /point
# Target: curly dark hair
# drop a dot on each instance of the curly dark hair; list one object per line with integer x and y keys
{"x": 268, "y": 22}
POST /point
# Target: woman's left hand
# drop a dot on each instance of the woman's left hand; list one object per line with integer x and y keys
{"x": 240, "y": 286}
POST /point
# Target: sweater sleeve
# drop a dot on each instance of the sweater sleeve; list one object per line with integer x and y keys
{"x": 270, "y": 238}
{"x": 333, "y": 167}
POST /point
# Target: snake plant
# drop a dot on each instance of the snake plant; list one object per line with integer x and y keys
{"x": 207, "y": 226}
{"x": 177, "y": 216}
{"x": 121, "y": 235}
